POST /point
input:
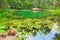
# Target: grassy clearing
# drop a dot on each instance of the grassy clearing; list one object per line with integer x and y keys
{"x": 55, "y": 12}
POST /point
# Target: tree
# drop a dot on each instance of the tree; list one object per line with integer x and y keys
{"x": 28, "y": 4}
{"x": 3, "y": 4}
{"x": 57, "y": 37}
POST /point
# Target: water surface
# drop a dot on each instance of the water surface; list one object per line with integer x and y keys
{"x": 40, "y": 35}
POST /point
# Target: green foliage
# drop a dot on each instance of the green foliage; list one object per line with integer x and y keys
{"x": 9, "y": 14}
{"x": 29, "y": 4}
{"x": 55, "y": 12}
{"x": 28, "y": 21}
{"x": 57, "y": 36}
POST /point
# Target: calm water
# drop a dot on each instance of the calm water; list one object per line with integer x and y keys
{"x": 42, "y": 36}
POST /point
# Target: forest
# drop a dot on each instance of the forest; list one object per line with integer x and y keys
{"x": 27, "y": 19}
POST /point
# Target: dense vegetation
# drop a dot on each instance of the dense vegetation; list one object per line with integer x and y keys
{"x": 29, "y": 4}
{"x": 19, "y": 15}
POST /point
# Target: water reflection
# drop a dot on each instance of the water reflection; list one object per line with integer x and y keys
{"x": 40, "y": 35}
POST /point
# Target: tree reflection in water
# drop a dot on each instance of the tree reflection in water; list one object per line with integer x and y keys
{"x": 40, "y": 35}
